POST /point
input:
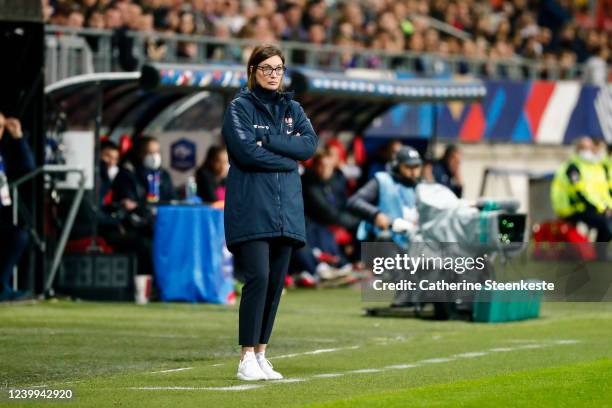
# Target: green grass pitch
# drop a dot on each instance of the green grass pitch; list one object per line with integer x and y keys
{"x": 116, "y": 354}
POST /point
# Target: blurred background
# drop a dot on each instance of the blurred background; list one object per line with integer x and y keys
{"x": 496, "y": 96}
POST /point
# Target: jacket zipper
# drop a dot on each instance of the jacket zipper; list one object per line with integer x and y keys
{"x": 278, "y": 195}
{"x": 280, "y": 204}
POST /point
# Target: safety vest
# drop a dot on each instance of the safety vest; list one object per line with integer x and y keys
{"x": 392, "y": 198}
{"x": 608, "y": 168}
{"x": 593, "y": 185}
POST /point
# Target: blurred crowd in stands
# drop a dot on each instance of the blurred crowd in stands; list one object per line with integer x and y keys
{"x": 557, "y": 33}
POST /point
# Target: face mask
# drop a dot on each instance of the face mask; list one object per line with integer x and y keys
{"x": 587, "y": 155}
{"x": 112, "y": 172}
{"x": 152, "y": 161}
{"x": 600, "y": 156}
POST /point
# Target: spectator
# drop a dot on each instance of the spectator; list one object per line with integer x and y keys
{"x": 76, "y": 19}
{"x": 96, "y": 20}
{"x": 295, "y": 30}
{"x": 109, "y": 167}
{"x": 549, "y": 31}
{"x": 323, "y": 209}
{"x": 345, "y": 175}
{"x": 608, "y": 167}
{"x": 187, "y": 50}
{"x": 210, "y": 177}
{"x": 16, "y": 159}
{"x": 113, "y": 19}
{"x": 105, "y": 215}
{"x": 381, "y": 157}
{"x": 597, "y": 67}
{"x": 324, "y": 204}
{"x": 113, "y": 222}
{"x": 600, "y": 150}
{"x": 230, "y": 15}
{"x": 580, "y": 191}
{"x": 155, "y": 48}
{"x": 446, "y": 170}
{"x": 143, "y": 181}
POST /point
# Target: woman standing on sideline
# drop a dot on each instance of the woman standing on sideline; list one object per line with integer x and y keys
{"x": 266, "y": 132}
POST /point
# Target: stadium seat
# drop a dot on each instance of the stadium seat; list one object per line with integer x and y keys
{"x": 125, "y": 144}
{"x": 566, "y": 239}
{"x": 80, "y": 246}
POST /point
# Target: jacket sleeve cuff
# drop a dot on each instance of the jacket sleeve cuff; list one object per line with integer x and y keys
{"x": 265, "y": 139}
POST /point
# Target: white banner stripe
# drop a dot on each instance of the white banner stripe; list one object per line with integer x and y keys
{"x": 558, "y": 111}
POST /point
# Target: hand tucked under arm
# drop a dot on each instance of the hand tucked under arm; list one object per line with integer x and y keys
{"x": 301, "y": 144}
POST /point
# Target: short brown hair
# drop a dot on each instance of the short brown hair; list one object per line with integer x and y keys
{"x": 262, "y": 53}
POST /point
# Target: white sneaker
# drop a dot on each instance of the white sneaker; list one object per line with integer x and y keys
{"x": 248, "y": 369}
{"x": 327, "y": 272}
{"x": 266, "y": 367}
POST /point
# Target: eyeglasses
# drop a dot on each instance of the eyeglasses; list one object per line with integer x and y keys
{"x": 267, "y": 70}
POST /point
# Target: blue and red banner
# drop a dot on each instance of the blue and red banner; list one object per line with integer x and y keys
{"x": 512, "y": 112}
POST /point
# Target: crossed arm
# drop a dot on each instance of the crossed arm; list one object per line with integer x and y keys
{"x": 241, "y": 143}
{"x": 276, "y": 152}
{"x": 299, "y": 146}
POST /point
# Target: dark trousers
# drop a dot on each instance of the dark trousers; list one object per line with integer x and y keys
{"x": 132, "y": 242}
{"x": 595, "y": 220}
{"x": 13, "y": 241}
{"x": 263, "y": 264}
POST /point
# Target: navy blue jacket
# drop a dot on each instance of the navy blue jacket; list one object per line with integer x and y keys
{"x": 263, "y": 196}
{"x": 18, "y": 161}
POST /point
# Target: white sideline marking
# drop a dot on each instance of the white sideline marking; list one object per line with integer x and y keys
{"x": 532, "y": 346}
{"x": 319, "y": 351}
{"x": 58, "y": 331}
{"x": 569, "y": 341}
{"x": 372, "y": 370}
{"x": 501, "y": 349}
{"x": 306, "y": 353}
{"x": 436, "y": 360}
{"x": 229, "y": 388}
{"x": 327, "y": 375}
{"x": 471, "y": 354}
{"x": 289, "y": 380}
{"x": 366, "y": 370}
{"x": 400, "y": 366}
{"x": 173, "y": 370}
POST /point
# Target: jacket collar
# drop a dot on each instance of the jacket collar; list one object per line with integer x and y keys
{"x": 285, "y": 96}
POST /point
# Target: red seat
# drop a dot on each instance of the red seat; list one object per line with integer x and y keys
{"x": 341, "y": 235}
{"x": 555, "y": 240}
{"x": 125, "y": 144}
{"x": 80, "y": 246}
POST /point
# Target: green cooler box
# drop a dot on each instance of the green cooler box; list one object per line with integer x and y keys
{"x": 506, "y": 305}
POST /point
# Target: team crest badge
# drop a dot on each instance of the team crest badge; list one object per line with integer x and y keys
{"x": 289, "y": 124}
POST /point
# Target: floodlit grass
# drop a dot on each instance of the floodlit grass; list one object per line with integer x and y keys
{"x": 107, "y": 352}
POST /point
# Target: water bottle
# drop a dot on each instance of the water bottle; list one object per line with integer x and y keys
{"x": 191, "y": 189}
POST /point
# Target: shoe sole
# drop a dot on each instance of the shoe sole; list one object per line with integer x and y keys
{"x": 244, "y": 378}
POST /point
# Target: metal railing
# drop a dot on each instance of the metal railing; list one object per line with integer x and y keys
{"x": 78, "y": 51}
{"x": 67, "y": 228}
